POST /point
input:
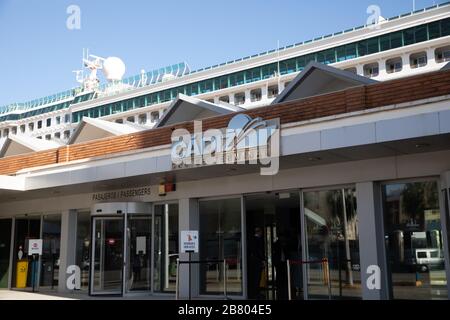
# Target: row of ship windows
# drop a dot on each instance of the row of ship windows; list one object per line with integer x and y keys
{"x": 143, "y": 118}
{"x": 37, "y": 125}
{"x": 416, "y": 60}
{"x": 56, "y": 135}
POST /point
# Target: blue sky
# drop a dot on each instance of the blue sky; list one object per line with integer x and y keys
{"x": 38, "y": 52}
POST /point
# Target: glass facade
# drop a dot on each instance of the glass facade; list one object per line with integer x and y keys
{"x": 51, "y": 236}
{"x": 221, "y": 238}
{"x": 331, "y": 225}
{"x": 414, "y": 242}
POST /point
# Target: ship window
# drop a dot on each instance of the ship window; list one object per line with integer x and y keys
{"x": 57, "y": 135}
{"x": 154, "y": 116}
{"x": 255, "y": 95}
{"x": 31, "y": 126}
{"x": 434, "y": 30}
{"x": 272, "y": 91}
{"x": 225, "y": 99}
{"x": 371, "y": 70}
{"x": 67, "y": 118}
{"x": 442, "y": 54}
{"x": 58, "y": 120}
{"x": 49, "y": 122}
{"x": 253, "y": 75}
{"x": 130, "y": 119}
{"x": 67, "y": 134}
{"x": 48, "y": 136}
{"x": 119, "y": 121}
{"x": 39, "y": 124}
{"x": 352, "y": 70}
{"x": 445, "y": 27}
{"x": 418, "y": 60}
{"x": 142, "y": 118}
{"x": 239, "y": 98}
{"x": 394, "y": 65}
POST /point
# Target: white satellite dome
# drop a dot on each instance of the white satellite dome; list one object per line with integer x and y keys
{"x": 113, "y": 68}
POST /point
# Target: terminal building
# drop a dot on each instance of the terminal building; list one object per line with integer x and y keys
{"x": 357, "y": 208}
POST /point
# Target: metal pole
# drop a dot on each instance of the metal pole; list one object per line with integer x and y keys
{"x": 225, "y": 278}
{"x": 289, "y": 279}
{"x": 176, "y": 280}
{"x": 329, "y": 279}
{"x": 189, "y": 275}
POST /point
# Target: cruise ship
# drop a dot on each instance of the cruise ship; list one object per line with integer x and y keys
{"x": 401, "y": 46}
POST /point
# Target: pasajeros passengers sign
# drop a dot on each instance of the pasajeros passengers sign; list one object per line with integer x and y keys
{"x": 121, "y": 194}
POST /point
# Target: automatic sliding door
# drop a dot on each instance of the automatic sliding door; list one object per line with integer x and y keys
{"x": 107, "y": 260}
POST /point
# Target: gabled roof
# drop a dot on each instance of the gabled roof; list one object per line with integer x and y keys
{"x": 317, "y": 79}
{"x": 21, "y": 144}
{"x": 186, "y": 108}
{"x": 90, "y": 129}
{"x": 446, "y": 67}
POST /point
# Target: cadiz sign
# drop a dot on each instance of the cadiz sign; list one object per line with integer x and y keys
{"x": 244, "y": 141}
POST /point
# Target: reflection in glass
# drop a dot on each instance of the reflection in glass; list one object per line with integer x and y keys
{"x": 83, "y": 246}
{"x": 25, "y": 229}
{"x": 220, "y": 238}
{"x": 51, "y": 235}
{"x": 108, "y": 255}
{"x": 166, "y": 247}
{"x": 331, "y": 224}
{"x": 139, "y": 253}
{"x": 413, "y": 236}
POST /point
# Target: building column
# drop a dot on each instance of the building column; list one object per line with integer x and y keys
{"x": 371, "y": 242}
{"x": 188, "y": 220}
{"x": 231, "y": 98}
{"x": 247, "y": 96}
{"x": 360, "y": 69}
{"x": 382, "y": 73}
{"x": 68, "y": 246}
{"x": 431, "y": 58}
{"x": 405, "y": 62}
{"x": 264, "y": 92}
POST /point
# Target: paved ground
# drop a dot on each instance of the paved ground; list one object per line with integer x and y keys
{"x": 21, "y": 295}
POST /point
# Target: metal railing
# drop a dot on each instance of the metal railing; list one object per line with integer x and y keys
{"x": 325, "y": 273}
{"x": 189, "y": 262}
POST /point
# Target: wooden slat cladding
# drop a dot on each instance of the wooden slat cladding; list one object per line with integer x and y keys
{"x": 355, "y": 99}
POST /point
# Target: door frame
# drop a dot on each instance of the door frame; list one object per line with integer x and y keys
{"x": 92, "y": 262}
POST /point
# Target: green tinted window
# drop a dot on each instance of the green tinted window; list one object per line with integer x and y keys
{"x": 288, "y": 66}
{"x": 362, "y": 48}
{"x": 396, "y": 40}
{"x": 408, "y": 36}
{"x": 445, "y": 27}
{"x": 385, "y": 42}
{"x": 421, "y": 34}
{"x": 372, "y": 46}
{"x": 434, "y": 30}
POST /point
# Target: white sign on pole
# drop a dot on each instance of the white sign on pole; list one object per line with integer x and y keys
{"x": 35, "y": 247}
{"x": 189, "y": 241}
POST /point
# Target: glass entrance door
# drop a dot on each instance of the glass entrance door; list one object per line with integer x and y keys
{"x": 107, "y": 255}
{"x": 139, "y": 247}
